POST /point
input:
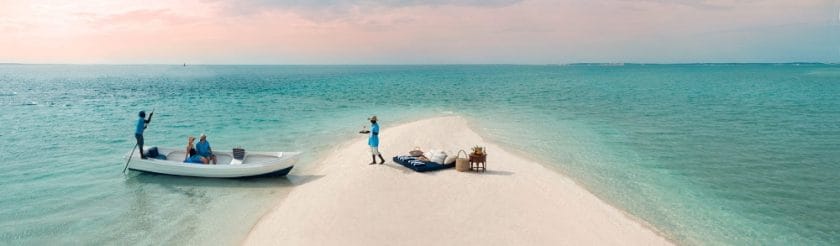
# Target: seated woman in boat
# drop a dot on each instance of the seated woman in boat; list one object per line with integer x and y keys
{"x": 192, "y": 154}
{"x": 195, "y": 158}
{"x": 203, "y": 148}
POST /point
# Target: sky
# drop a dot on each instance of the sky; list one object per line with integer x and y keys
{"x": 418, "y": 32}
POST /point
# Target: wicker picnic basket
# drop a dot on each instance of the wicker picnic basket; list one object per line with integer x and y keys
{"x": 462, "y": 163}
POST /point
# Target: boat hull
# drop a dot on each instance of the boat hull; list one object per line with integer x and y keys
{"x": 278, "y": 173}
{"x": 254, "y": 164}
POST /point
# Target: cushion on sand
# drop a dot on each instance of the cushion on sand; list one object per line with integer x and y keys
{"x": 429, "y": 166}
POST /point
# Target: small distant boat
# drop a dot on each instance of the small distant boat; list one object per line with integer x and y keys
{"x": 253, "y": 164}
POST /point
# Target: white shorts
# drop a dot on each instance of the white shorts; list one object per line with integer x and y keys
{"x": 374, "y": 150}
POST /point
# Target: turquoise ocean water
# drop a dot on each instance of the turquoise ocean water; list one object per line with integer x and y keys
{"x": 706, "y": 153}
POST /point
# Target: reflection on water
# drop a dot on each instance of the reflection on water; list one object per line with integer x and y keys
{"x": 184, "y": 210}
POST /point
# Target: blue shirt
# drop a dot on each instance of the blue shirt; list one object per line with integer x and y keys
{"x": 373, "y": 141}
{"x": 141, "y": 123}
{"x": 203, "y": 148}
{"x": 194, "y": 159}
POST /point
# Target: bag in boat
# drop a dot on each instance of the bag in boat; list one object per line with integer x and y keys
{"x": 152, "y": 152}
{"x": 239, "y": 153}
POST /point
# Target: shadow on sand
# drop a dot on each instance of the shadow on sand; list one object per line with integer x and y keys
{"x": 405, "y": 170}
{"x": 494, "y": 172}
{"x": 397, "y": 167}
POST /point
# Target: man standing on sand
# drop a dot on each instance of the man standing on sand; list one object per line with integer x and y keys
{"x": 373, "y": 141}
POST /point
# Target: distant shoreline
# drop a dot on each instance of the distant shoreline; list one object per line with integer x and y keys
{"x": 442, "y": 64}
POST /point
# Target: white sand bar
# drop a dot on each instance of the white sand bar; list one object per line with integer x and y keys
{"x": 516, "y": 202}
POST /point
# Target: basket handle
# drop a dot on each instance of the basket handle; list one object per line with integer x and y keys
{"x": 459, "y": 153}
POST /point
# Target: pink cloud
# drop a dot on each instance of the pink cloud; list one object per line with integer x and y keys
{"x": 536, "y": 31}
{"x": 141, "y": 17}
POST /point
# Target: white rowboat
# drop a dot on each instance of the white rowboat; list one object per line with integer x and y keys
{"x": 254, "y": 164}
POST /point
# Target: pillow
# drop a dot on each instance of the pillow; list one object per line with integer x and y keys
{"x": 430, "y": 154}
{"x": 449, "y": 159}
{"x": 438, "y": 156}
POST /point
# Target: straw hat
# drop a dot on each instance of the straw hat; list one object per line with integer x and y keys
{"x": 373, "y": 118}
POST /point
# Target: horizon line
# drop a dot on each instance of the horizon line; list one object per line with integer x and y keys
{"x": 418, "y": 64}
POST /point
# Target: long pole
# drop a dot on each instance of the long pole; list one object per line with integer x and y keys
{"x": 129, "y": 157}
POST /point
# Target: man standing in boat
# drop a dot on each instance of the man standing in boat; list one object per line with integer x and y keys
{"x": 373, "y": 141}
{"x": 142, "y": 122}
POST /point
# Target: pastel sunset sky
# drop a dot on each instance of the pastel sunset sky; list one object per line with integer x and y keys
{"x": 419, "y": 32}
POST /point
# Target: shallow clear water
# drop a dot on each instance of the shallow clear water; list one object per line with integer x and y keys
{"x": 720, "y": 154}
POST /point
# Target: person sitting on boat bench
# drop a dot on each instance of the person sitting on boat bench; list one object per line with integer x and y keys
{"x": 203, "y": 148}
{"x": 195, "y": 158}
{"x": 192, "y": 155}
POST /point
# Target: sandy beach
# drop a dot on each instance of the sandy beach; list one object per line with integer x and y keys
{"x": 516, "y": 202}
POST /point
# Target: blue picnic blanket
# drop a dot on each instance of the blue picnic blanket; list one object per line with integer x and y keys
{"x": 420, "y": 166}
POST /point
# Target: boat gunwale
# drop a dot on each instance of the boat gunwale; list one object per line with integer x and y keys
{"x": 281, "y": 156}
